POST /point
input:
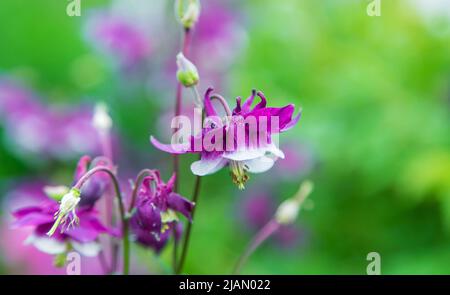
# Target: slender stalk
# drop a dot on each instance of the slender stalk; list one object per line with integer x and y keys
{"x": 124, "y": 218}
{"x": 108, "y": 199}
{"x": 103, "y": 263}
{"x": 286, "y": 214}
{"x": 178, "y": 100}
{"x": 175, "y": 252}
{"x": 179, "y": 95}
{"x": 195, "y": 194}
{"x": 260, "y": 237}
{"x": 189, "y": 226}
{"x": 197, "y": 98}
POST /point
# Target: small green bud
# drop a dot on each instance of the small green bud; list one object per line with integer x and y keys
{"x": 187, "y": 73}
{"x": 60, "y": 260}
{"x": 288, "y": 211}
{"x": 187, "y": 12}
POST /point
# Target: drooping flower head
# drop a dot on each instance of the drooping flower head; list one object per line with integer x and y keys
{"x": 41, "y": 218}
{"x": 243, "y": 140}
{"x": 155, "y": 215}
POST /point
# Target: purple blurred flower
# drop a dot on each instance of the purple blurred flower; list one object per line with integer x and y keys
{"x": 22, "y": 259}
{"x": 242, "y": 157}
{"x": 298, "y": 161}
{"x": 258, "y": 208}
{"x": 219, "y": 37}
{"x": 34, "y": 129}
{"x": 155, "y": 214}
{"x": 119, "y": 38}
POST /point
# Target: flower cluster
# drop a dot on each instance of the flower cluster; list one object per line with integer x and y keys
{"x": 243, "y": 138}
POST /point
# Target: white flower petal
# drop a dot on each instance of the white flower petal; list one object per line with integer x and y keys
{"x": 47, "y": 245}
{"x": 259, "y": 165}
{"x": 204, "y": 167}
{"x": 90, "y": 249}
{"x": 242, "y": 155}
{"x": 272, "y": 148}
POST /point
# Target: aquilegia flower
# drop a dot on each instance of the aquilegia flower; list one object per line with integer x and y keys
{"x": 242, "y": 140}
{"x": 155, "y": 216}
{"x": 66, "y": 208}
{"x": 40, "y": 217}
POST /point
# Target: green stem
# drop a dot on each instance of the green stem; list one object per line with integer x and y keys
{"x": 126, "y": 241}
{"x": 189, "y": 226}
{"x": 271, "y": 227}
{"x": 178, "y": 101}
{"x": 174, "y": 253}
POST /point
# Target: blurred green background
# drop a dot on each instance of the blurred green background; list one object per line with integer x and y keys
{"x": 375, "y": 94}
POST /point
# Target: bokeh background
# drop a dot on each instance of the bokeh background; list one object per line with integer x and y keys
{"x": 374, "y": 136}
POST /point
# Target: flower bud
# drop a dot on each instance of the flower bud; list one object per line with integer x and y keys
{"x": 287, "y": 212}
{"x": 187, "y": 73}
{"x": 187, "y": 12}
{"x": 101, "y": 120}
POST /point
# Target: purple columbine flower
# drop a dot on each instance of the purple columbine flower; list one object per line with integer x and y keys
{"x": 82, "y": 238}
{"x": 54, "y": 218}
{"x": 155, "y": 215}
{"x": 242, "y": 140}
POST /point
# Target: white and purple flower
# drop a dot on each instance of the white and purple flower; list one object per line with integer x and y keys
{"x": 243, "y": 140}
{"x": 54, "y": 217}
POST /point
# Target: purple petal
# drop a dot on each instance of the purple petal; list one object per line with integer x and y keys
{"x": 292, "y": 123}
{"x": 34, "y": 219}
{"x": 180, "y": 204}
{"x": 25, "y": 211}
{"x": 175, "y": 149}
{"x": 209, "y": 108}
{"x": 262, "y": 103}
{"x": 248, "y": 103}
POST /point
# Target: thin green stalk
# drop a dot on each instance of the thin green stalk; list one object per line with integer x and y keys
{"x": 124, "y": 218}
{"x": 189, "y": 227}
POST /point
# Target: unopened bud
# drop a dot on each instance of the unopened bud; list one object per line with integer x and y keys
{"x": 288, "y": 211}
{"x": 101, "y": 120}
{"x": 187, "y": 12}
{"x": 187, "y": 73}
